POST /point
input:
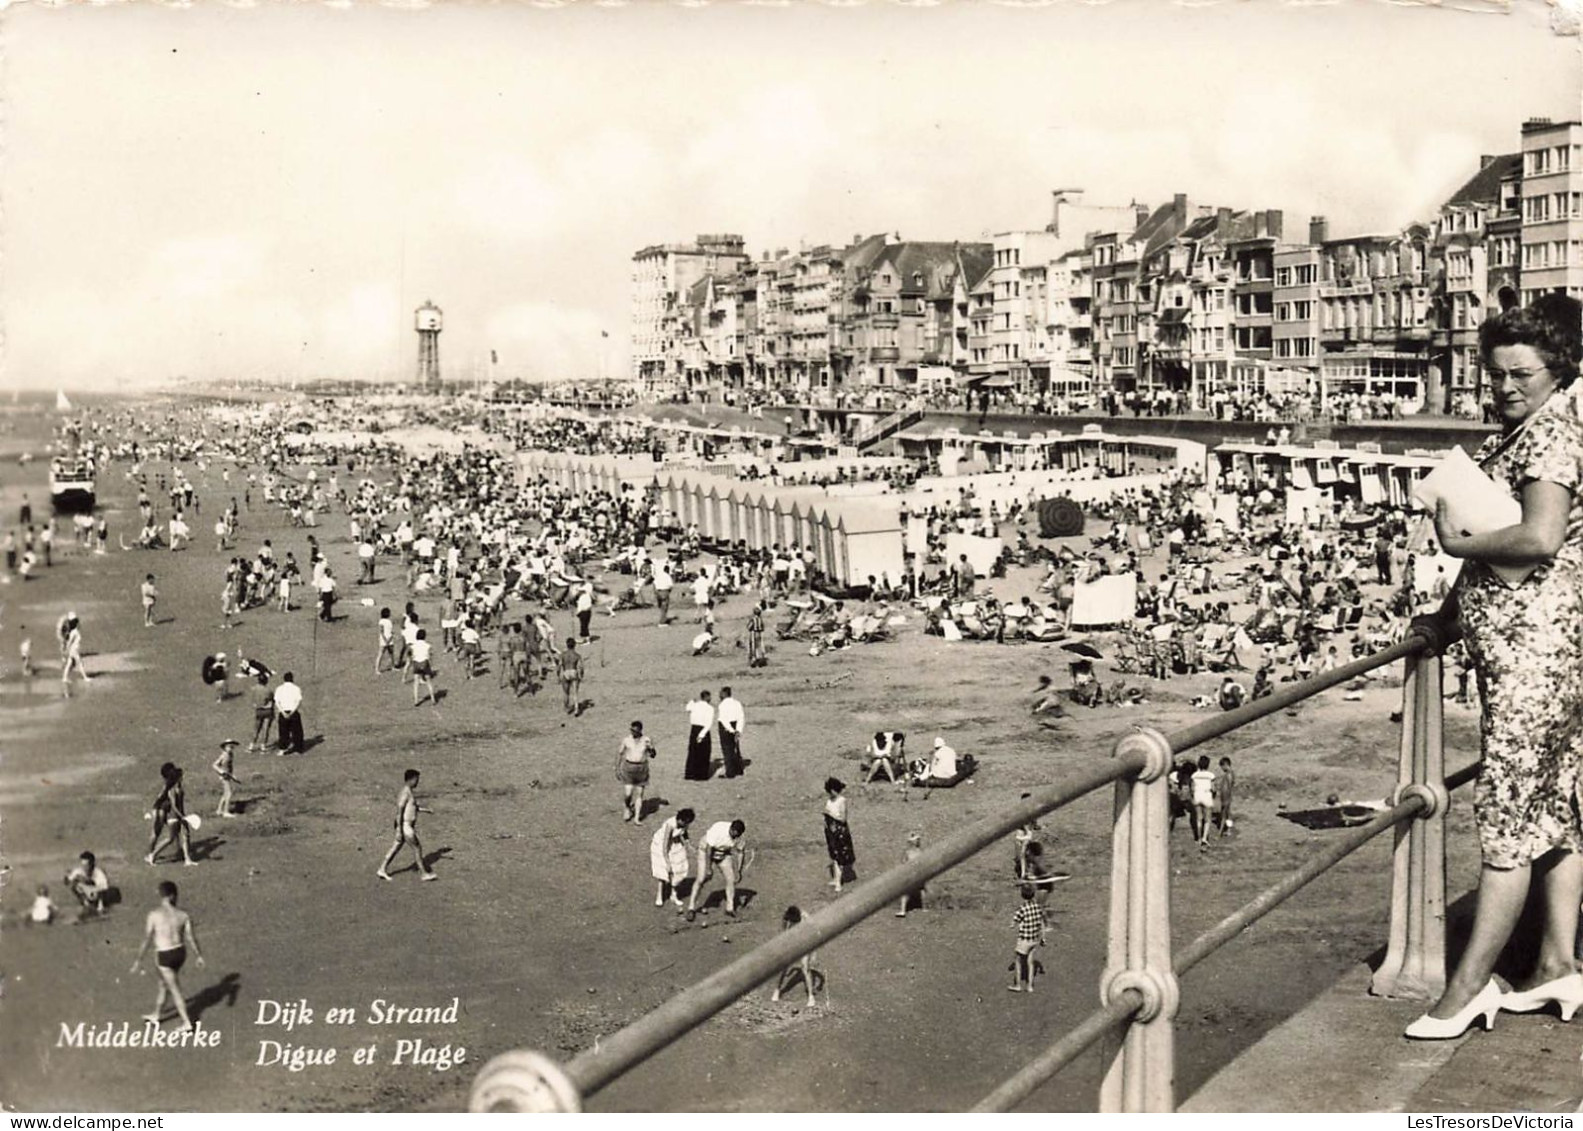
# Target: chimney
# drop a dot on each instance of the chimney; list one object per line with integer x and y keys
{"x": 1179, "y": 207}
{"x": 1533, "y": 124}
{"x": 1259, "y": 229}
{"x": 1274, "y": 222}
{"x": 1222, "y": 219}
{"x": 1318, "y": 230}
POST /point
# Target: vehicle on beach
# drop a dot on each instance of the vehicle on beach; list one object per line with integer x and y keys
{"x": 71, "y": 483}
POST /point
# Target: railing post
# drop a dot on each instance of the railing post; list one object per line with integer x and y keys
{"x": 1141, "y": 1073}
{"x": 1415, "y": 957}
{"x": 524, "y": 1082}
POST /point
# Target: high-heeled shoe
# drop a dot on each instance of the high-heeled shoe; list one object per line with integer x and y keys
{"x": 1566, "y": 991}
{"x": 1487, "y": 1003}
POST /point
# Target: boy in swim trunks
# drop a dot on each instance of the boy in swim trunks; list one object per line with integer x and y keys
{"x": 570, "y": 664}
{"x": 170, "y": 930}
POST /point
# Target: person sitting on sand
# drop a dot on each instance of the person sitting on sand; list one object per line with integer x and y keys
{"x": 888, "y": 755}
{"x": 88, "y": 882}
{"x": 942, "y": 765}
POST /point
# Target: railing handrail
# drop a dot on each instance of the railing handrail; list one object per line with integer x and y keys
{"x": 1068, "y": 1048}
{"x": 593, "y": 1068}
{"x": 1144, "y": 757}
{"x": 1279, "y": 892}
{"x": 1426, "y": 633}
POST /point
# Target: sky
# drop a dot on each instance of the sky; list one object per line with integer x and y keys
{"x": 269, "y": 191}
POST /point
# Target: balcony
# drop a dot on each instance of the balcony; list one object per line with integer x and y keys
{"x": 884, "y": 353}
{"x": 887, "y": 318}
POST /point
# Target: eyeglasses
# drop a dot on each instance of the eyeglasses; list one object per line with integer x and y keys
{"x": 1520, "y": 376}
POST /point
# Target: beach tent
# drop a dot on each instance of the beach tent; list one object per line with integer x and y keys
{"x": 731, "y": 516}
{"x": 1226, "y": 511}
{"x": 981, "y": 552}
{"x": 712, "y": 525}
{"x": 1303, "y": 508}
{"x": 1112, "y": 599}
{"x": 868, "y": 541}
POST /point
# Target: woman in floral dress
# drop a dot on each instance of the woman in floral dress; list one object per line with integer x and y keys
{"x": 1519, "y": 601}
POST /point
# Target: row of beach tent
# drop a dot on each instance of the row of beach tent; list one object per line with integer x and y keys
{"x": 852, "y": 538}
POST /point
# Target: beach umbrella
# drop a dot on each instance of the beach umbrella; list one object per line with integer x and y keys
{"x": 1083, "y": 648}
{"x": 1059, "y": 518}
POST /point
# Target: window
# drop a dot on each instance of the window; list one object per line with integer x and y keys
{"x": 1563, "y": 159}
{"x": 1283, "y": 276}
{"x": 1220, "y": 298}
{"x": 1536, "y": 209}
{"x": 1538, "y": 162}
{"x": 1306, "y": 273}
{"x": 1283, "y": 312}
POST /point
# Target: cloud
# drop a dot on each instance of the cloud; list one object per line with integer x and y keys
{"x": 202, "y": 267}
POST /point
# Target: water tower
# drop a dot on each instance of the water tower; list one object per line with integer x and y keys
{"x": 429, "y": 326}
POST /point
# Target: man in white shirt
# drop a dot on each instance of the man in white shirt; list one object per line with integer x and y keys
{"x": 731, "y": 718}
{"x": 723, "y": 845}
{"x": 585, "y": 610}
{"x": 701, "y": 720}
{"x": 701, "y": 587}
{"x": 663, "y": 584}
{"x": 326, "y": 588}
{"x": 942, "y": 764}
{"x": 288, "y": 714}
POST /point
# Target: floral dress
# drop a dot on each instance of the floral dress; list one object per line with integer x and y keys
{"x": 1526, "y": 643}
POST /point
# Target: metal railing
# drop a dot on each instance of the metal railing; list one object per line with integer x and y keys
{"x": 886, "y": 426}
{"x": 1139, "y": 988}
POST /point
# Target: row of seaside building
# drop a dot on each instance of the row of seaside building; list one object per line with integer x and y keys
{"x": 1200, "y": 303}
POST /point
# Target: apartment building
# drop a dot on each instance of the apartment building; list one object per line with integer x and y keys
{"x": 1295, "y": 328}
{"x": 1374, "y": 316}
{"x": 662, "y": 277}
{"x": 1552, "y": 209}
{"x": 1069, "y": 327}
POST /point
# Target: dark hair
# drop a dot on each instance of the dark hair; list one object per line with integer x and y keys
{"x": 834, "y": 785}
{"x": 167, "y": 890}
{"x": 88, "y": 856}
{"x": 791, "y": 917}
{"x": 1203, "y": 761}
{"x": 738, "y": 827}
{"x": 1027, "y": 891}
{"x": 410, "y": 776}
{"x": 685, "y": 816}
{"x": 1552, "y": 325}
{"x": 169, "y": 772}
{"x": 287, "y": 678}
{"x": 385, "y": 612}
